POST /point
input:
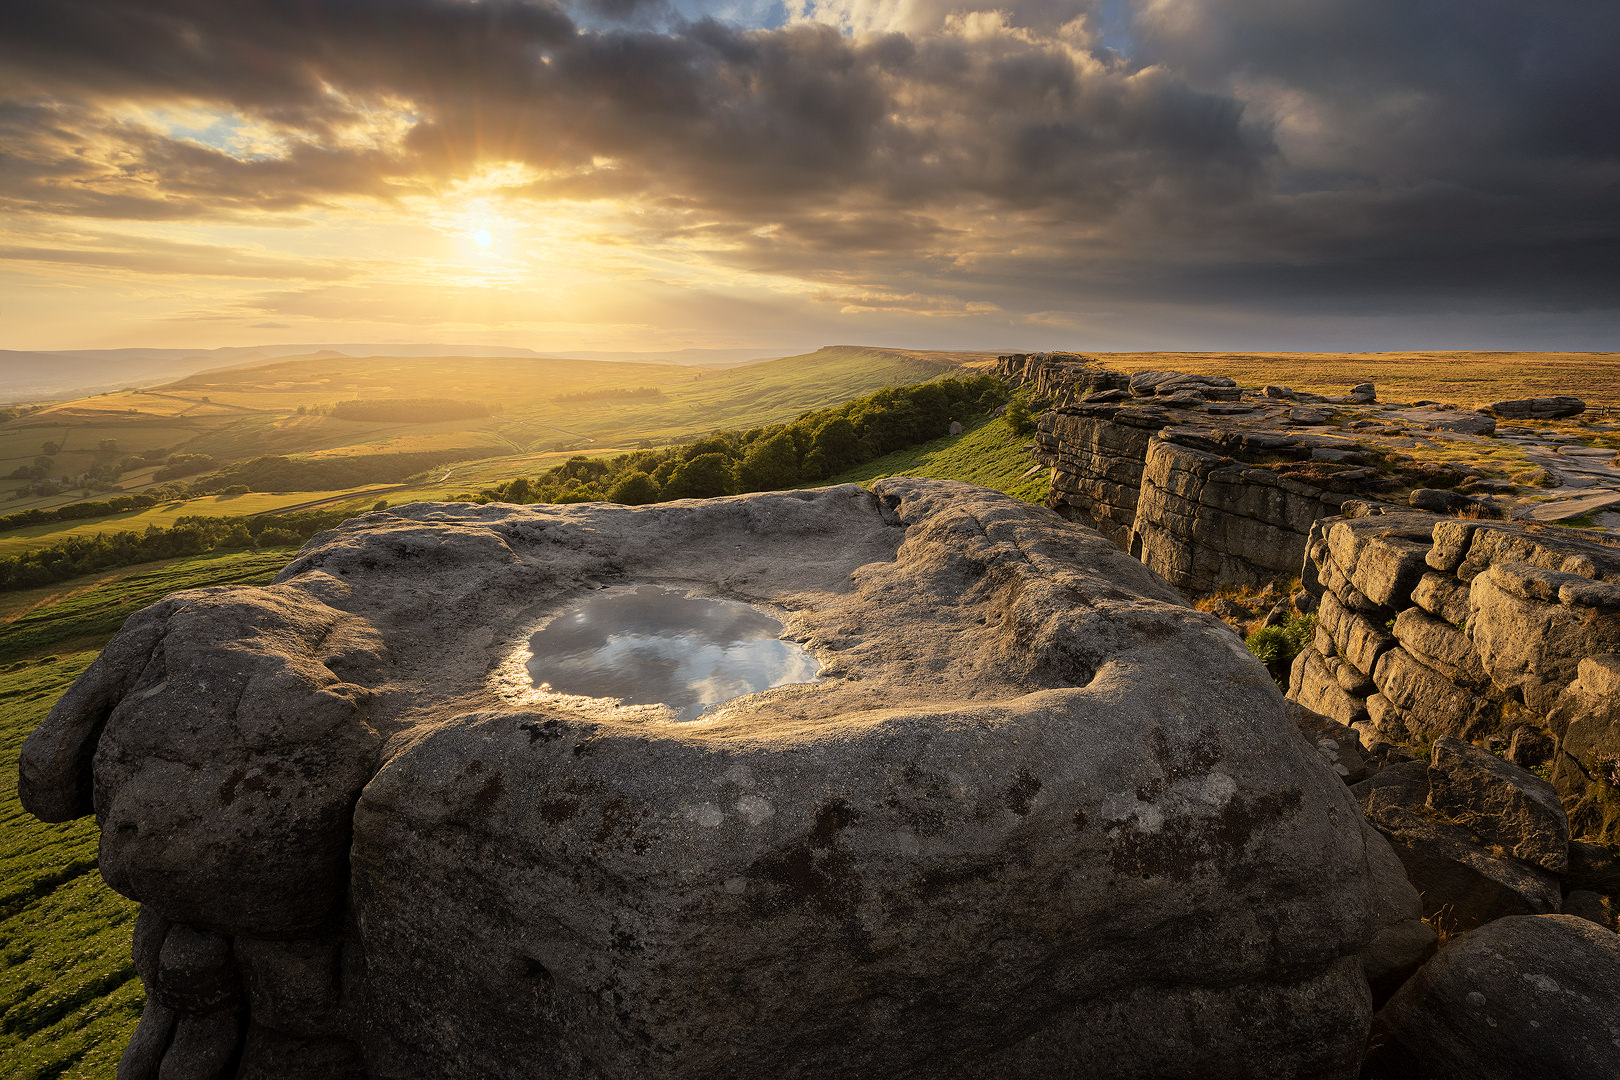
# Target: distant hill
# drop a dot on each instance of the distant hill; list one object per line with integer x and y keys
{"x": 44, "y": 374}
{"x": 486, "y": 417}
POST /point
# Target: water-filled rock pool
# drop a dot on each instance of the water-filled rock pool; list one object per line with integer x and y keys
{"x": 653, "y": 645}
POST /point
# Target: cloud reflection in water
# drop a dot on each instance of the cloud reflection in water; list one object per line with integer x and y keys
{"x": 660, "y": 646}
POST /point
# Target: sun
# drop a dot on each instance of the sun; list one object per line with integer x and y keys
{"x": 483, "y": 239}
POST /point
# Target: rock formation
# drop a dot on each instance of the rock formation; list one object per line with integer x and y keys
{"x": 1037, "y": 817}
{"x": 1215, "y": 486}
{"x": 1525, "y": 996}
{"x": 1542, "y": 408}
{"x": 1434, "y": 626}
{"x": 1208, "y": 485}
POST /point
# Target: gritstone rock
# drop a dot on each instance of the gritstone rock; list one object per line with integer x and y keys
{"x": 1036, "y": 818}
{"x": 1542, "y": 408}
{"x": 1462, "y": 884}
{"x": 1531, "y": 996}
{"x": 1501, "y": 803}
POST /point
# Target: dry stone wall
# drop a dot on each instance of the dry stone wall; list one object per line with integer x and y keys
{"x": 1499, "y": 633}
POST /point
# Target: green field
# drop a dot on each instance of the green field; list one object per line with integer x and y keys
{"x": 69, "y": 998}
{"x": 15, "y": 540}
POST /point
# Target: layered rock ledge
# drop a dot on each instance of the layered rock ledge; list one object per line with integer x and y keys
{"x": 1212, "y": 485}
{"x": 1497, "y": 633}
{"x": 1037, "y": 818}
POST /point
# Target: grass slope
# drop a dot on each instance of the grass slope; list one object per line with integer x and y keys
{"x": 32, "y": 536}
{"x": 989, "y": 455}
{"x": 69, "y": 997}
{"x": 253, "y": 411}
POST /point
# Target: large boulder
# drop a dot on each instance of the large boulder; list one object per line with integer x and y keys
{"x": 1461, "y": 882}
{"x": 1504, "y": 805}
{"x": 1036, "y": 817}
{"x": 1541, "y": 408}
{"x": 1523, "y": 997}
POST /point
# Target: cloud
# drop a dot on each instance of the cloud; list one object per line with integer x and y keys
{"x": 903, "y": 156}
{"x": 149, "y": 256}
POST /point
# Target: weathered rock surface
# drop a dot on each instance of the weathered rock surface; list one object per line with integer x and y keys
{"x": 1499, "y": 802}
{"x": 1486, "y": 630}
{"x": 1462, "y": 884}
{"x": 1037, "y": 817}
{"x": 1523, "y": 997}
{"x": 1542, "y": 408}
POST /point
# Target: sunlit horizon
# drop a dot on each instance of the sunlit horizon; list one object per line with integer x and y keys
{"x": 1101, "y": 174}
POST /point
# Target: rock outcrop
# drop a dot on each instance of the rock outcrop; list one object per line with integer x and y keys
{"x": 1433, "y": 626}
{"x": 1206, "y": 484}
{"x": 1203, "y": 504}
{"x": 1541, "y": 408}
{"x": 1037, "y": 817}
{"x": 1527, "y": 996}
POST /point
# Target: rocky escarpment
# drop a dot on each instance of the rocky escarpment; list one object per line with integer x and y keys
{"x": 1037, "y": 817}
{"x": 1213, "y": 485}
{"x": 1201, "y": 498}
{"x": 1498, "y": 633}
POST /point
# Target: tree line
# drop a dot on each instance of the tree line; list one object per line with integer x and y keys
{"x": 74, "y": 556}
{"x": 813, "y": 447}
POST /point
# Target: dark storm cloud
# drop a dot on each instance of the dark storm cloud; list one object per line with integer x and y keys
{"x": 1284, "y": 155}
{"x": 708, "y": 113}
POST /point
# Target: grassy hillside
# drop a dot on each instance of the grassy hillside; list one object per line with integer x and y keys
{"x": 69, "y": 997}
{"x": 538, "y": 407}
{"x": 989, "y": 455}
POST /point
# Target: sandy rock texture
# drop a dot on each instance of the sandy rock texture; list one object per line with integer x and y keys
{"x": 1037, "y": 817}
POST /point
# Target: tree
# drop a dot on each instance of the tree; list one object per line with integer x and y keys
{"x": 770, "y": 465}
{"x": 704, "y": 477}
{"x": 1018, "y": 416}
{"x": 636, "y": 489}
{"x": 714, "y": 444}
{"x": 107, "y": 446}
{"x": 49, "y": 449}
{"x": 833, "y": 448}
{"x": 579, "y": 492}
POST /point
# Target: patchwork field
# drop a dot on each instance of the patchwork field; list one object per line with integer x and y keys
{"x": 522, "y": 414}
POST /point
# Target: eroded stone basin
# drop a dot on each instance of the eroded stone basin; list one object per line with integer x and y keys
{"x": 1035, "y": 817}
{"x": 653, "y": 645}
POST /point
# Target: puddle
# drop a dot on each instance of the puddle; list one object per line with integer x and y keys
{"x": 659, "y": 646}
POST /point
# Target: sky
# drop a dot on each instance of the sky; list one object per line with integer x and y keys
{"x": 660, "y": 174}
